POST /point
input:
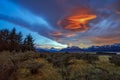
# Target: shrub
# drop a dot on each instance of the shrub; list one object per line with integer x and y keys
{"x": 6, "y": 66}
{"x": 115, "y": 59}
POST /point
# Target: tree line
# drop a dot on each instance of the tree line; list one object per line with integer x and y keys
{"x": 13, "y": 41}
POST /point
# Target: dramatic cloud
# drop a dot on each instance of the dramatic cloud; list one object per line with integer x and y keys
{"x": 77, "y": 20}
{"x": 24, "y": 18}
{"x": 117, "y": 12}
{"x": 58, "y": 35}
{"x": 13, "y": 14}
{"x": 59, "y": 22}
{"x": 105, "y": 41}
{"x": 70, "y": 35}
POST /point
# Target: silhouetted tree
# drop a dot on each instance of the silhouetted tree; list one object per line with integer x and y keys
{"x": 28, "y": 43}
{"x": 4, "y": 39}
{"x": 24, "y": 46}
{"x": 19, "y": 41}
{"x": 12, "y": 39}
{"x": 0, "y": 41}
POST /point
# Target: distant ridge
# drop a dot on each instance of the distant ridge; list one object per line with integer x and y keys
{"x": 105, "y": 48}
{"x": 72, "y": 49}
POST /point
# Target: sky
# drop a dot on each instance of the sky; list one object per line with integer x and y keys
{"x": 62, "y": 23}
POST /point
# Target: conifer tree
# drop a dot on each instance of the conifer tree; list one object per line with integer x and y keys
{"x": 12, "y": 39}
{"x": 18, "y": 41}
{"x": 29, "y": 43}
{"x": 4, "y": 38}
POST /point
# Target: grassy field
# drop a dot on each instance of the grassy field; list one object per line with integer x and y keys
{"x": 57, "y": 66}
{"x": 104, "y": 58}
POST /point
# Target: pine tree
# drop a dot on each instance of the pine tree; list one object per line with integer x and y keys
{"x": 29, "y": 43}
{"x": 12, "y": 39}
{"x": 0, "y": 41}
{"x": 4, "y": 39}
{"x": 18, "y": 41}
{"x": 24, "y": 46}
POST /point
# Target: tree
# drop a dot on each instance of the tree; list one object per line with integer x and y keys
{"x": 15, "y": 40}
{"x": 12, "y": 39}
{"x": 4, "y": 40}
{"x": 0, "y": 41}
{"x": 28, "y": 43}
{"x": 18, "y": 41}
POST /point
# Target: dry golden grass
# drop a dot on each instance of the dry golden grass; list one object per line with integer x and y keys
{"x": 104, "y": 58}
{"x": 45, "y": 71}
{"x": 48, "y": 66}
{"x": 78, "y": 69}
{"x": 26, "y": 66}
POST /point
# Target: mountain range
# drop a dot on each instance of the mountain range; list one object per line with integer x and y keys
{"x": 104, "y": 48}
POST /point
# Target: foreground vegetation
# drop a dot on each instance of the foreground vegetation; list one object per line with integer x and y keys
{"x": 58, "y": 66}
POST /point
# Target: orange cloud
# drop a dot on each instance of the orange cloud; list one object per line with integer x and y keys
{"x": 70, "y": 44}
{"x": 56, "y": 34}
{"x": 62, "y": 35}
{"x": 77, "y": 21}
{"x": 117, "y": 12}
{"x": 70, "y": 35}
{"x": 105, "y": 41}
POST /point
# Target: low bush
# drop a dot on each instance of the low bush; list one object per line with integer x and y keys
{"x": 115, "y": 59}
